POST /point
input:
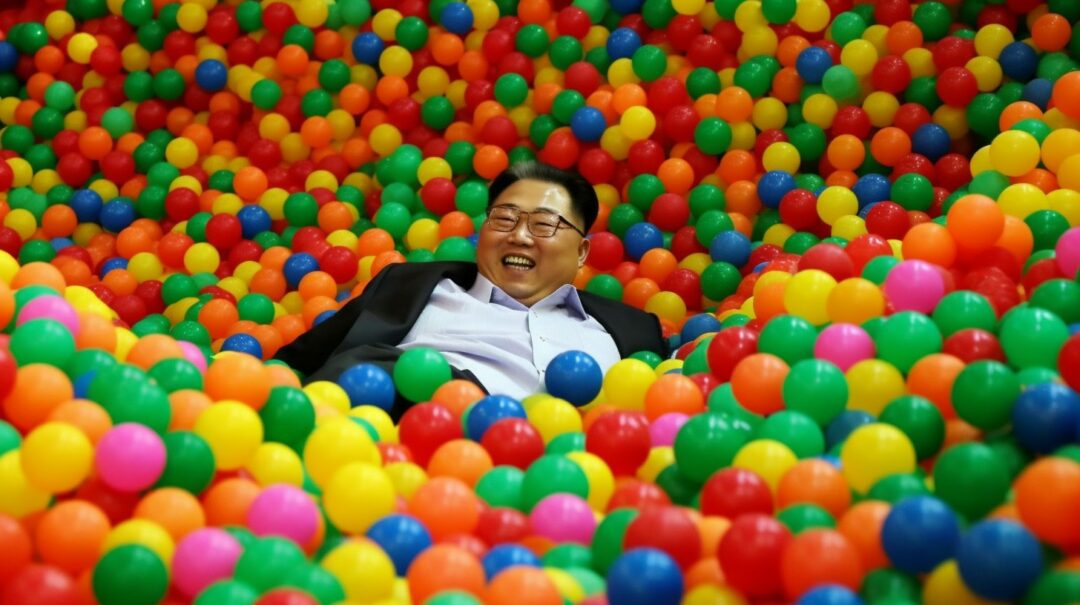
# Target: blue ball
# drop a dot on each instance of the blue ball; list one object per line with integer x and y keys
{"x": 1045, "y": 417}
{"x": 87, "y": 205}
{"x": 115, "y": 262}
{"x": 367, "y": 47}
{"x": 872, "y": 188}
{"x": 81, "y": 386}
{"x": 1019, "y": 61}
{"x": 243, "y": 343}
{"x": 505, "y": 556}
{"x": 829, "y": 594}
{"x": 490, "y": 410}
{"x": 368, "y": 384}
{"x": 625, "y": 7}
{"x": 457, "y": 18}
{"x": 574, "y": 376}
{"x": 812, "y": 63}
{"x": 1038, "y": 91}
{"x": 999, "y": 559}
{"x": 297, "y": 266}
{"x": 117, "y": 214}
{"x": 622, "y": 43}
{"x": 59, "y": 243}
{"x": 402, "y": 537}
{"x": 699, "y": 324}
{"x": 254, "y": 220}
{"x": 773, "y": 185}
{"x": 473, "y": 239}
{"x": 931, "y": 140}
{"x": 321, "y": 317}
{"x": 920, "y": 533}
{"x": 843, "y": 425}
{"x": 588, "y": 124}
{"x": 211, "y": 75}
{"x": 731, "y": 247}
{"x": 9, "y": 57}
{"x": 642, "y": 237}
{"x": 644, "y": 576}
{"x": 865, "y": 210}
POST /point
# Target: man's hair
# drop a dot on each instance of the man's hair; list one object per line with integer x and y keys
{"x": 582, "y": 195}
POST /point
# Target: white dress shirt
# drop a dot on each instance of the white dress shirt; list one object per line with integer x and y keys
{"x": 505, "y": 344}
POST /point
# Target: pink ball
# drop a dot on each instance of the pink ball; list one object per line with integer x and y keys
{"x": 130, "y": 457}
{"x": 662, "y": 431}
{"x": 1067, "y": 252}
{"x": 193, "y": 354}
{"x": 844, "y": 345}
{"x": 284, "y": 510}
{"x": 564, "y": 518}
{"x": 203, "y": 557}
{"x": 50, "y": 307}
{"x": 914, "y": 285}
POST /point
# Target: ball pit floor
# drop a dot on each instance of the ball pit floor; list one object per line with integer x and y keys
{"x": 858, "y": 223}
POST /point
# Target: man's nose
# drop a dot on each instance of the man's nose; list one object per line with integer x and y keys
{"x": 520, "y": 234}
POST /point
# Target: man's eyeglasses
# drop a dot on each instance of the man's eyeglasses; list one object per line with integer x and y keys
{"x": 541, "y": 223}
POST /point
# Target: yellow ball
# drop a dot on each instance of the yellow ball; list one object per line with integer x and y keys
{"x": 768, "y": 458}
{"x": 364, "y": 570}
{"x": 659, "y": 459}
{"x": 615, "y": 142}
{"x": 406, "y": 477}
{"x": 485, "y": 14}
{"x": 143, "y": 533}
{"x": 384, "y": 139}
{"x": 781, "y": 156}
{"x": 553, "y": 416}
{"x": 20, "y": 497}
{"x": 358, "y": 495}
{"x": 324, "y": 392}
{"x": 396, "y": 61}
{"x": 334, "y": 444}
{"x": 881, "y": 107}
{"x": 778, "y": 234}
{"x": 873, "y": 384}
{"x": 385, "y": 23}
{"x": 423, "y": 234}
{"x": 312, "y": 13}
{"x": 1059, "y": 145}
{"x": 711, "y": 594}
{"x": 859, "y": 56}
{"x": 688, "y": 7}
{"x": 626, "y": 382}
{"x": 836, "y": 202}
{"x": 621, "y": 71}
{"x": 820, "y": 110}
{"x": 944, "y": 586}
{"x": 875, "y": 451}
{"x": 56, "y": 457}
{"x": 145, "y": 266}
{"x": 1022, "y": 199}
{"x": 22, "y": 221}
{"x": 276, "y": 463}
{"x": 201, "y": 258}
{"x": 987, "y": 73}
{"x": 812, "y": 15}
{"x": 760, "y": 41}
{"x": 769, "y": 112}
{"x": 59, "y": 24}
{"x": 181, "y": 152}
{"x": 379, "y": 420}
{"x": 667, "y": 305}
{"x": 232, "y": 430}
{"x": 807, "y": 295}
{"x": 991, "y": 39}
{"x": 191, "y": 17}
{"x": 323, "y": 179}
{"x": 1067, "y": 203}
{"x": 434, "y": 168}
{"x": 637, "y": 123}
{"x": 849, "y": 227}
{"x": 81, "y": 46}
{"x": 601, "y": 480}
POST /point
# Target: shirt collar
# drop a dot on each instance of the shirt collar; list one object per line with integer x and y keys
{"x": 565, "y": 296}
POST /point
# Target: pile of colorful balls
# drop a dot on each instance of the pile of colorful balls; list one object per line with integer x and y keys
{"x": 859, "y": 223}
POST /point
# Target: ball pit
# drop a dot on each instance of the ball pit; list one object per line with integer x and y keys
{"x": 857, "y": 222}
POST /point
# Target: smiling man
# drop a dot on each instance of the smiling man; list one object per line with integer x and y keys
{"x": 500, "y": 321}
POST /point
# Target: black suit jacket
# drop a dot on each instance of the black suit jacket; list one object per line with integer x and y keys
{"x": 368, "y": 328}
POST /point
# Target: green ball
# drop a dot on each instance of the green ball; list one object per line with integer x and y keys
{"x": 566, "y": 443}
{"x": 256, "y": 307}
{"x": 419, "y": 372}
{"x": 355, "y": 12}
{"x": 411, "y": 32}
{"x": 878, "y": 268}
{"x": 917, "y": 418}
{"x": 702, "y": 81}
{"x": 176, "y": 374}
{"x": 9, "y": 438}
{"x": 816, "y": 388}
{"x": 300, "y": 36}
{"x": 511, "y": 90}
{"x": 913, "y": 191}
{"x": 266, "y": 94}
{"x": 801, "y": 517}
{"x": 623, "y": 217}
{"x": 1008, "y": 450}
{"x": 565, "y": 105}
{"x": 552, "y": 474}
{"x": 60, "y": 96}
{"x": 1055, "y": 587}
{"x": 176, "y": 287}
{"x": 143, "y": 402}
{"x": 502, "y": 487}
{"x": 789, "y": 337}
{"x": 189, "y": 462}
{"x": 1059, "y": 296}
{"x": 169, "y": 84}
{"x": 532, "y": 40}
{"x": 840, "y": 83}
{"x": 1035, "y": 127}
{"x": 809, "y": 139}
{"x": 472, "y": 198}
{"x": 394, "y": 218}
{"x": 1046, "y": 227}
{"x": 452, "y": 597}
{"x": 934, "y": 19}
{"x": 89, "y": 360}
{"x": 983, "y": 114}
{"x": 711, "y": 224}
{"x": 895, "y": 488}
{"x": 137, "y": 12}
{"x": 753, "y": 76}
{"x": 605, "y": 285}
{"x": 649, "y": 62}
{"x": 301, "y": 210}
{"x": 1031, "y": 336}
{"x": 191, "y": 331}
{"x": 796, "y": 430}
{"x": 42, "y": 341}
{"x": 131, "y": 574}
{"x": 316, "y": 102}
{"x": 697, "y": 361}
{"x": 713, "y": 135}
{"x": 707, "y": 443}
{"x": 249, "y": 15}
{"x": 907, "y": 337}
{"x": 720, "y": 280}
{"x": 800, "y": 242}
{"x": 643, "y": 191}
{"x": 607, "y": 542}
{"x": 151, "y": 324}
{"x": 17, "y": 138}
{"x": 543, "y": 125}
{"x": 227, "y": 592}
{"x": 964, "y": 309}
{"x": 705, "y": 197}
{"x": 887, "y": 585}
{"x": 847, "y": 26}
{"x": 658, "y": 13}
{"x": 568, "y": 555}
{"x": 265, "y": 564}
{"x": 565, "y": 51}
{"x": 455, "y": 249}
{"x": 288, "y": 417}
{"x": 678, "y": 487}
{"x": 334, "y": 75}
{"x": 971, "y": 479}
{"x": 36, "y": 251}
{"x": 317, "y": 582}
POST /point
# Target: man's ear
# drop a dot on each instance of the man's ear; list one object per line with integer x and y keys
{"x": 583, "y": 251}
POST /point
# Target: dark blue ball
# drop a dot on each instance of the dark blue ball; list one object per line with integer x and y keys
{"x": 368, "y": 384}
{"x": 574, "y": 376}
{"x": 254, "y": 220}
{"x": 505, "y": 556}
{"x": 622, "y": 43}
{"x": 1019, "y": 61}
{"x": 871, "y": 188}
{"x": 931, "y": 140}
{"x": 81, "y": 386}
{"x": 1038, "y": 91}
{"x": 367, "y": 47}
{"x": 644, "y": 576}
{"x": 490, "y": 410}
{"x": 843, "y": 425}
{"x": 402, "y": 537}
{"x": 829, "y": 594}
{"x": 699, "y": 324}
{"x": 87, "y": 205}
{"x": 731, "y": 247}
{"x": 115, "y": 262}
{"x": 117, "y": 215}
{"x": 9, "y": 57}
{"x": 243, "y": 343}
{"x": 625, "y": 7}
{"x": 588, "y": 124}
{"x": 457, "y": 18}
{"x": 297, "y": 266}
{"x": 999, "y": 559}
{"x": 59, "y": 243}
{"x": 920, "y": 533}
{"x": 642, "y": 237}
{"x": 865, "y": 210}
{"x": 812, "y": 63}
{"x": 321, "y": 317}
{"x": 211, "y": 75}
{"x": 1045, "y": 417}
{"x": 773, "y": 185}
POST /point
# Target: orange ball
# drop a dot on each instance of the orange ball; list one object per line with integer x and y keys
{"x": 59, "y": 221}
{"x": 186, "y": 405}
{"x": 930, "y": 242}
{"x": 889, "y": 145}
{"x": 70, "y": 535}
{"x": 817, "y": 482}
{"x": 975, "y": 222}
{"x": 38, "y": 390}
{"x": 446, "y": 506}
{"x": 250, "y": 182}
{"x": 734, "y": 104}
{"x": 932, "y": 377}
{"x": 95, "y": 332}
{"x": 457, "y": 395}
{"x": 1048, "y": 496}
{"x": 153, "y": 348}
{"x": 461, "y": 459}
{"x": 174, "y": 509}
{"x": 227, "y": 502}
{"x": 1066, "y": 95}
{"x": 862, "y": 526}
{"x": 217, "y": 315}
{"x": 677, "y": 175}
{"x": 87, "y": 416}
{"x": 38, "y": 273}
{"x": 820, "y": 556}
{"x": 522, "y": 585}
{"x": 846, "y": 152}
{"x": 1051, "y": 32}
{"x": 1016, "y": 237}
{"x": 238, "y": 377}
{"x": 758, "y": 382}
{"x": 657, "y": 264}
{"x": 638, "y": 291}
{"x": 673, "y": 393}
{"x": 444, "y": 567}
{"x": 7, "y": 304}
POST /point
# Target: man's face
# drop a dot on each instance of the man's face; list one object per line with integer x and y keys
{"x": 527, "y": 267}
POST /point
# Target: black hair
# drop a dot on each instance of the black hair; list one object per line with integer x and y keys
{"x": 582, "y": 195}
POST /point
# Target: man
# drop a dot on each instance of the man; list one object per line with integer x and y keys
{"x": 499, "y": 321}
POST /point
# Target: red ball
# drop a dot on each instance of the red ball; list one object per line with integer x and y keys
{"x": 865, "y": 247}
{"x": 973, "y": 344}
{"x": 74, "y": 169}
{"x": 682, "y": 30}
{"x": 500, "y": 131}
{"x": 707, "y": 51}
{"x": 665, "y": 528}
{"x": 889, "y": 12}
{"x": 561, "y": 150}
{"x": 1069, "y": 362}
{"x": 620, "y": 439}
{"x": 953, "y": 52}
{"x": 426, "y": 426}
{"x": 728, "y": 348}
{"x": 573, "y": 21}
{"x": 38, "y": 584}
{"x": 500, "y": 525}
{"x": 513, "y": 442}
{"x": 277, "y": 19}
{"x": 910, "y": 116}
{"x": 957, "y": 86}
{"x": 669, "y": 211}
{"x": 952, "y": 171}
{"x": 685, "y": 242}
{"x": 645, "y": 157}
{"x": 686, "y": 284}
{"x": 887, "y": 219}
{"x": 583, "y": 77}
{"x": 286, "y": 596}
{"x": 798, "y": 209}
{"x": 750, "y": 554}
{"x": 634, "y": 493}
{"x": 732, "y": 492}
{"x": 130, "y": 308}
{"x": 852, "y": 120}
{"x": 223, "y": 231}
{"x": 605, "y": 251}
{"x": 340, "y": 263}
{"x": 150, "y": 293}
{"x": 680, "y": 122}
{"x": 829, "y": 258}
{"x": 404, "y": 113}
{"x": 394, "y": 452}
{"x": 497, "y": 44}
{"x": 438, "y": 195}
{"x": 891, "y": 74}
{"x": 597, "y": 166}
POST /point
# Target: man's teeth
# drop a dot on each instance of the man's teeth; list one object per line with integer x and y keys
{"x": 518, "y": 261}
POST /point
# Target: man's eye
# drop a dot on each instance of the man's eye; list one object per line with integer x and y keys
{"x": 503, "y": 220}
{"x": 545, "y": 224}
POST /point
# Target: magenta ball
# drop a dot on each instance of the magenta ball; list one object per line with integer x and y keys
{"x": 662, "y": 431}
{"x": 50, "y": 307}
{"x": 130, "y": 457}
{"x": 284, "y": 510}
{"x": 563, "y": 518}
{"x": 193, "y": 354}
{"x": 914, "y": 285}
{"x": 203, "y": 557}
{"x": 1067, "y": 252}
{"x": 844, "y": 345}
